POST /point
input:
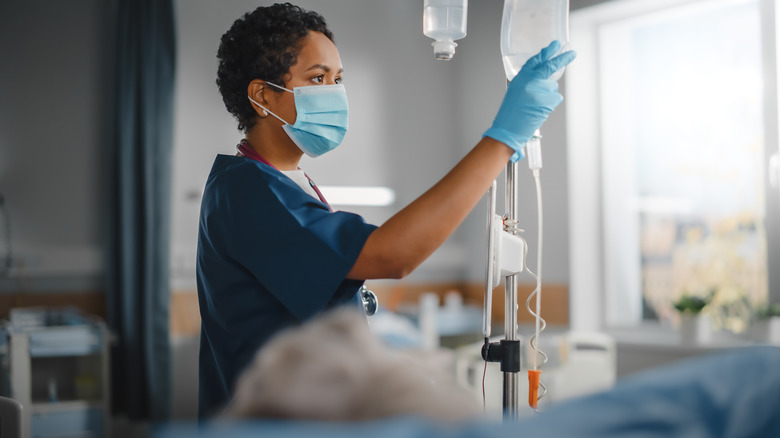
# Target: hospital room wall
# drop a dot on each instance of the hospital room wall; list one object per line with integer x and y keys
{"x": 54, "y": 97}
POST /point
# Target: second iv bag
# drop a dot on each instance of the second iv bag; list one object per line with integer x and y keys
{"x": 445, "y": 22}
{"x": 528, "y": 26}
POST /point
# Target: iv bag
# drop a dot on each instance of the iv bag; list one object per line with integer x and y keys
{"x": 528, "y": 26}
{"x": 445, "y": 22}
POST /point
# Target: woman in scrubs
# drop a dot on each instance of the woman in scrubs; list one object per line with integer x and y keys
{"x": 271, "y": 252}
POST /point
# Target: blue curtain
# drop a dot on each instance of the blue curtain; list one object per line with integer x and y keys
{"x": 140, "y": 175}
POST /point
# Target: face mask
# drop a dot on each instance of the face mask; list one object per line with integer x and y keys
{"x": 321, "y": 122}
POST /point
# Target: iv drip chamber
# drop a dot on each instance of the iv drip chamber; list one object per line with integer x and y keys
{"x": 445, "y": 22}
{"x": 528, "y": 26}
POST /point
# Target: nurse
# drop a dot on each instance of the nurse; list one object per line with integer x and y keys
{"x": 271, "y": 252}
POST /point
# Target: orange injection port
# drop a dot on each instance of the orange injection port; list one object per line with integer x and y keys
{"x": 533, "y": 387}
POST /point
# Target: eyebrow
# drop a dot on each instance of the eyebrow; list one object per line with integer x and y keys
{"x": 323, "y": 67}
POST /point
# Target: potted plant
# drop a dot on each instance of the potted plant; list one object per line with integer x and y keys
{"x": 695, "y": 325}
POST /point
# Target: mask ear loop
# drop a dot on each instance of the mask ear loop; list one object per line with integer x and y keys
{"x": 266, "y": 111}
{"x": 279, "y": 86}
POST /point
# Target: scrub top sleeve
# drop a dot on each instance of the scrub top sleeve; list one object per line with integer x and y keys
{"x": 293, "y": 245}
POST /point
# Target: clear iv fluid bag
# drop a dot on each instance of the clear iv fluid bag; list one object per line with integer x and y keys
{"x": 528, "y": 26}
{"x": 445, "y": 22}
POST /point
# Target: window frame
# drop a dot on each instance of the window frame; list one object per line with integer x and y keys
{"x": 585, "y": 135}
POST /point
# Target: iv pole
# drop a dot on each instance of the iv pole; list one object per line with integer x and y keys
{"x": 507, "y": 351}
{"x": 511, "y": 404}
{"x": 506, "y": 254}
{"x": 517, "y": 20}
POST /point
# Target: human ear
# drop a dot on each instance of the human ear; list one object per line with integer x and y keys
{"x": 256, "y": 92}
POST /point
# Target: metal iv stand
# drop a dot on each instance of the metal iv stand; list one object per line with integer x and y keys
{"x": 507, "y": 351}
{"x": 511, "y": 404}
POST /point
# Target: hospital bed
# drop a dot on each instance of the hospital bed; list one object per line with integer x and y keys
{"x": 731, "y": 394}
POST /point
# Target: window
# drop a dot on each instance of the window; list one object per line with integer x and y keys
{"x": 682, "y": 104}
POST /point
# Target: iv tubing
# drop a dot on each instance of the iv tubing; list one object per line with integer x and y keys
{"x": 538, "y": 291}
{"x": 533, "y": 149}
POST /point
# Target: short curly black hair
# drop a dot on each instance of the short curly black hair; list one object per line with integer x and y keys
{"x": 263, "y": 44}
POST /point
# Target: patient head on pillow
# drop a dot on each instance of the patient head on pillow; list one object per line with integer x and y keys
{"x": 334, "y": 369}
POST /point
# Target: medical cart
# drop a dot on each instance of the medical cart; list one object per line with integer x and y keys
{"x": 56, "y": 363}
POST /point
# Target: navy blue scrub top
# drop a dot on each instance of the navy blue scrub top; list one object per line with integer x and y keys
{"x": 269, "y": 256}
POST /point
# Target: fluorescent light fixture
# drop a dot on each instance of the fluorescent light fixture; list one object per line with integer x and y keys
{"x": 362, "y": 196}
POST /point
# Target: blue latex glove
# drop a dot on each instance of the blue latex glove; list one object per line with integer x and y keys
{"x": 529, "y": 99}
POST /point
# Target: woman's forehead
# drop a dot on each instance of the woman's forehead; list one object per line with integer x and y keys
{"x": 318, "y": 52}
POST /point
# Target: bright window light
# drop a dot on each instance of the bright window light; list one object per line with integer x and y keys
{"x": 684, "y": 206}
{"x": 358, "y": 196}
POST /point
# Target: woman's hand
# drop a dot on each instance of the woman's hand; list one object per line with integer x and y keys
{"x": 529, "y": 99}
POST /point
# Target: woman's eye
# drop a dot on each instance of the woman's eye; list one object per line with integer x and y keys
{"x": 338, "y": 80}
{"x": 318, "y": 79}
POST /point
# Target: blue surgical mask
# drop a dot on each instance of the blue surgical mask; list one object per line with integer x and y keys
{"x": 321, "y": 122}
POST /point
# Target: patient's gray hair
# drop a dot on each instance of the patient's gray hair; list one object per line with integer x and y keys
{"x": 334, "y": 368}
